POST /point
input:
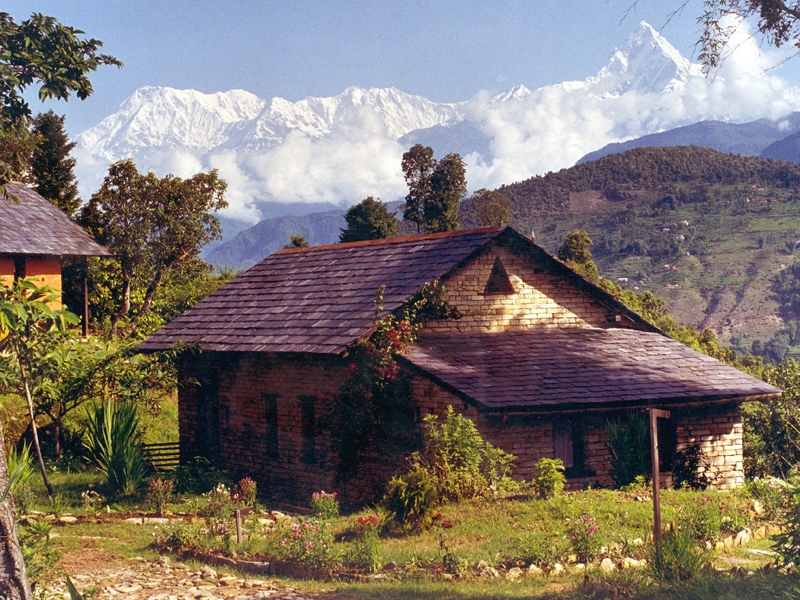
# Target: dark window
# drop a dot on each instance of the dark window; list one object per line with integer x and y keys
{"x": 271, "y": 418}
{"x": 568, "y": 445}
{"x": 309, "y": 428}
{"x": 499, "y": 283}
{"x": 562, "y": 443}
{"x": 667, "y": 443}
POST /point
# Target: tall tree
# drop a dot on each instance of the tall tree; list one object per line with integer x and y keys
{"x": 435, "y": 188}
{"x": 418, "y": 165}
{"x": 370, "y": 219}
{"x": 492, "y": 208}
{"x": 155, "y": 228}
{"x": 51, "y": 166}
{"x": 42, "y": 51}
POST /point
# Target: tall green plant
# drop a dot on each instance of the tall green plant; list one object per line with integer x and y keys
{"x": 113, "y": 445}
{"x": 629, "y": 447}
{"x": 20, "y": 467}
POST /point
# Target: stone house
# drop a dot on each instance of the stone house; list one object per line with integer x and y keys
{"x": 37, "y": 240}
{"x": 540, "y": 360}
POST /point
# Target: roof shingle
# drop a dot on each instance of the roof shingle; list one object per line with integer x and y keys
{"x": 562, "y": 369}
{"x": 34, "y": 226}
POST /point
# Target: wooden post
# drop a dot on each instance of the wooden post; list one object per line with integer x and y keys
{"x": 85, "y": 323}
{"x": 655, "y": 414}
{"x": 238, "y": 526}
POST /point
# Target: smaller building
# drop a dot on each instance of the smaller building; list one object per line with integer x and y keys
{"x": 36, "y": 239}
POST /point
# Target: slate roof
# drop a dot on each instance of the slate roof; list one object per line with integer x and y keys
{"x": 317, "y": 299}
{"x": 565, "y": 369}
{"x": 34, "y": 226}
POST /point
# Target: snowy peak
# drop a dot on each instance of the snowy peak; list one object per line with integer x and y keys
{"x": 159, "y": 117}
{"x": 647, "y": 63}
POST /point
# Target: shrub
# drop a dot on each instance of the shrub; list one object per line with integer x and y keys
{"x": 787, "y": 544}
{"x": 366, "y": 550}
{"x": 690, "y": 468}
{"x": 324, "y": 505}
{"x": 160, "y": 493}
{"x": 584, "y": 536}
{"x": 20, "y": 468}
{"x": 461, "y": 463}
{"x": 410, "y": 497}
{"x": 678, "y": 557}
{"x": 24, "y": 499}
{"x": 91, "y": 501}
{"x": 548, "y": 477}
{"x": 177, "y": 536}
{"x": 246, "y": 492}
{"x": 310, "y": 543}
{"x": 701, "y": 518}
{"x": 198, "y": 476}
{"x": 770, "y": 492}
{"x": 629, "y": 447}
{"x": 218, "y": 506}
{"x": 113, "y": 446}
{"x": 539, "y": 548}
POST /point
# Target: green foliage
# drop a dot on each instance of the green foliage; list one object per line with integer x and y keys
{"x": 51, "y": 164}
{"x": 39, "y": 554}
{"x": 548, "y": 477}
{"x": 584, "y": 536}
{"x": 245, "y": 492}
{"x": 198, "y": 476}
{"x": 486, "y": 208}
{"x": 678, "y": 558}
{"x": 73, "y": 592}
{"x": 411, "y": 497}
{"x": 772, "y": 493}
{"x": 575, "y": 248}
{"x": 24, "y": 499}
{"x": 324, "y": 505}
{"x": 701, "y": 518}
{"x": 160, "y": 492}
{"x": 20, "y": 468}
{"x": 435, "y": 188}
{"x": 370, "y": 219}
{"x": 218, "y": 505}
{"x": 365, "y": 552}
{"x": 787, "y": 544}
{"x": 372, "y": 409}
{"x": 629, "y": 448}
{"x": 113, "y": 446}
{"x": 296, "y": 241}
{"x": 40, "y": 50}
{"x": 689, "y": 468}
{"x": 540, "y": 548}
{"x": 311, "y": 543}
{"x": 155, "y": 228}
{"x": 461, "y": 464}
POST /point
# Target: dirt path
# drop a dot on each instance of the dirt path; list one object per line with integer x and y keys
{"x": 165, "y": 579}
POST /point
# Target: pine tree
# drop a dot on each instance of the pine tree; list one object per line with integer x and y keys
{"x": 52, "y": 167}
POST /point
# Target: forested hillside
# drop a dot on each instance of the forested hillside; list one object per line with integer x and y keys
{"x": 709, "y": 231}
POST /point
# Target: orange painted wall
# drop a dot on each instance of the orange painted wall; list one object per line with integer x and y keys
{"x": 6, "y": 271}
{"x": 45, "y": 270}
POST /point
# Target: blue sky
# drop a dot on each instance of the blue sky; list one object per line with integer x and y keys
{"x": 446, "y": 51}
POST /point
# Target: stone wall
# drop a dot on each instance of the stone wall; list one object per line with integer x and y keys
{"x": 718, "y": 432}
{"x": 539, "y": 299}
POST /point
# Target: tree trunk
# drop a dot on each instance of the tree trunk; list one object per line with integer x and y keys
{"x": 13, "y": 579}
{"x": 148, "y": 301}
{"x": 125, "y": 307}
{"x": 34, "y": 431}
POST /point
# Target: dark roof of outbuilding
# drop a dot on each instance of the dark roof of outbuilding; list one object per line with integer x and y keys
{"x": 543, "y": 370}
{"x": 34, "y": 226}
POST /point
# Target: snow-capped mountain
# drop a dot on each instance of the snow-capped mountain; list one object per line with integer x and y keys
{"x": 343, "y": 148}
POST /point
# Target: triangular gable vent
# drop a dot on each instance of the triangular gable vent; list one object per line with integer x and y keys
{"x": 499, "y": 283}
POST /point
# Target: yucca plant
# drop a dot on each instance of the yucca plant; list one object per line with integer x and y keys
{"x": 113, "y": 443}
{"x": 20, "y": 470}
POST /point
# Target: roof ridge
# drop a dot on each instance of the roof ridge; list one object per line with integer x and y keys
{"x": 394, "y": 240}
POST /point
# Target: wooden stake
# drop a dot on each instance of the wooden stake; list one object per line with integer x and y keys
{"x": 238, "y": 526}
{"x": 655, "y": 414}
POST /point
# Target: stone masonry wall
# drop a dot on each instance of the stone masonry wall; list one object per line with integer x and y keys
{"x": 540, "y": 298}
{"x": 719, "y": 434}
{"x": 247, "y": 384}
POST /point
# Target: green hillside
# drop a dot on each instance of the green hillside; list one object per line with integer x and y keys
{"x": 708, "y": 231}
